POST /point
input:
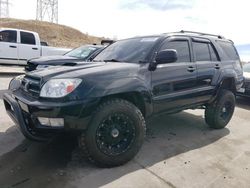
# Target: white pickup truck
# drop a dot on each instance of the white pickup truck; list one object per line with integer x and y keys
{"x": 17, "y": 46}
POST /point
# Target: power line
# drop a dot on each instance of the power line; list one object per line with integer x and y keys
{"x": 47, "y": 10}
{"x": 4, "y": 8}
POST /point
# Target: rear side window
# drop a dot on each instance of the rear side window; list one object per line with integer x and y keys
{"x": 229, "y": 50}
{"x": 182, "y": 48}
{"x": 8, "y": 36}
{"x": 201, "y": 51}
{"x": 27, "y": 38}
{"x": 204, "y": 51}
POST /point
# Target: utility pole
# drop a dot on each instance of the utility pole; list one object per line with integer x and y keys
{"x": 47, "y": 10}
{"x": 4, "y": 8}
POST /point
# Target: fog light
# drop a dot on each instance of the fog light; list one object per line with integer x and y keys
{"x": 44, "y": 121}
{"x": 54, "y": 122}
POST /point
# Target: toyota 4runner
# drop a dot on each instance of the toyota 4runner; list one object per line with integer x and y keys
{"x": 107, "y": 101}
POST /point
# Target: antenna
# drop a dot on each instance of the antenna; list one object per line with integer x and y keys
{"x": 47, "y": 10}
{"x": 4, "y": 8}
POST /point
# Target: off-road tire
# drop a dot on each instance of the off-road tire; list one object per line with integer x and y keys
{"x": 220, "y": 112}
{"x": 88, "y": 140}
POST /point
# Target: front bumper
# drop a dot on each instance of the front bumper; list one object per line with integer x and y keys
{"x": 25, "y": 113}
{"x": 244, "y": 91}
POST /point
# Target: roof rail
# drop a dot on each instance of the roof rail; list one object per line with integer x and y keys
{"x": 199, "y": 33}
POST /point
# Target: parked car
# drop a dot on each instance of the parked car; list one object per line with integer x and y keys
{"x": 17, "y": 46}
{"x": 82, "y": 53}
{"x": 245, "y": 90}
{"x": 106, "y": 102}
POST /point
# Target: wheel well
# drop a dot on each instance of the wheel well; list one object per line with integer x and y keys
{"x": 134, "y": 97}
{"x": 228, "y": 84}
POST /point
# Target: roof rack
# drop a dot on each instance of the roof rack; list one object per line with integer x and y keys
{"x": 199, "y": 33}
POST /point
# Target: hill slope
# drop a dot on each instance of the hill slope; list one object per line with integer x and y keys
{"x": 54, "y": 34}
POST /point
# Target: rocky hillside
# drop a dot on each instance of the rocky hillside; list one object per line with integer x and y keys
{"x": 54, "y": 34}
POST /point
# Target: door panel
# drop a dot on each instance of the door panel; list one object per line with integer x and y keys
{"x": 208, "y": 69}
{"x": 206, "y": 73}
{"x": 27, "y": 52}
{"x": 172, "y": 86}
{"x": 172, "y": 83}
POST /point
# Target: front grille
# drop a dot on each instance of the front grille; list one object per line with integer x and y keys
{"x": 31, "y": 85}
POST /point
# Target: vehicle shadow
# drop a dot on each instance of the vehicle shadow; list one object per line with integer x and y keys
{"x": 58, "y": 163}
{"x": 243, "y": 102}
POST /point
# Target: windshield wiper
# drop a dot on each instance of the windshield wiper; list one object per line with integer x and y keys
{"x": 111, "y": 60}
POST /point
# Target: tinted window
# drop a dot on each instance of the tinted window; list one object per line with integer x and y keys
{"x": 8, "y": 36}
{"x": 229, "y": 50}
{"x": 27, "y": 38}
{"x": 133, "y": 50}
{"x": 212, "y": 53}
{"x": 201, "y": 51}
{"x": 182, "y": 48}
{"x": 82, "y": 52}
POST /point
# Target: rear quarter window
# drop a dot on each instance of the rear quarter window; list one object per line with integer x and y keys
{"x": 229, "y": 50}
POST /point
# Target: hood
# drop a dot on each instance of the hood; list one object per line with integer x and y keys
{"x": 55, "y": 60}
{"x": 85, "y": 69}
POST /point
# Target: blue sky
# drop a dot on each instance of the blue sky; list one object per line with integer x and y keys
{"x": 127, "y": 18}
{"x": 244, "y": 51}
{"x": 161, "y": 5}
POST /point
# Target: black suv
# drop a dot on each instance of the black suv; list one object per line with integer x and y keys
{"x": 107, "y": 101}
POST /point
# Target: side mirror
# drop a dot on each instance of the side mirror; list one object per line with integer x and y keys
{"x": 44, "y": 43}
{"x": 166, "y": 56}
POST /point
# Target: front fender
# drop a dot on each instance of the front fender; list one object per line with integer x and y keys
{"x": 124, "y": 86}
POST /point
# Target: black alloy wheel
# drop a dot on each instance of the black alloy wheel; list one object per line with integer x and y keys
{"x": 114, "y": 135}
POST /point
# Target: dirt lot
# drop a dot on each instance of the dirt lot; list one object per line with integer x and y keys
{"x": 62, "y": 36}
{"x": 179, "y": 151}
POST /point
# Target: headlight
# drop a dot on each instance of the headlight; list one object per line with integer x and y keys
{"x": 15, "y": 83}
{"x": 56, "y": 88}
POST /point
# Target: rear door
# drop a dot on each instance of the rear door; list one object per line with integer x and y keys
{"x": 173, "y": 83}
{"x": 28, "y": 47}
{"x": 208, "y": 68}
{"x": 8, "y": 47}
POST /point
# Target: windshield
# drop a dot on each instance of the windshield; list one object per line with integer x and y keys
{"x": 133, "y": 50}
{"x": 246, "y": 68}
{"x": 82, "y": 52}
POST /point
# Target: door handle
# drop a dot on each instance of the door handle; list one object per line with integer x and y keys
{"x": 191, "y": 69}
{"x": 34, "y": 48}
{"x": 217, "y": 66}
{"x": 12, "y": 46}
